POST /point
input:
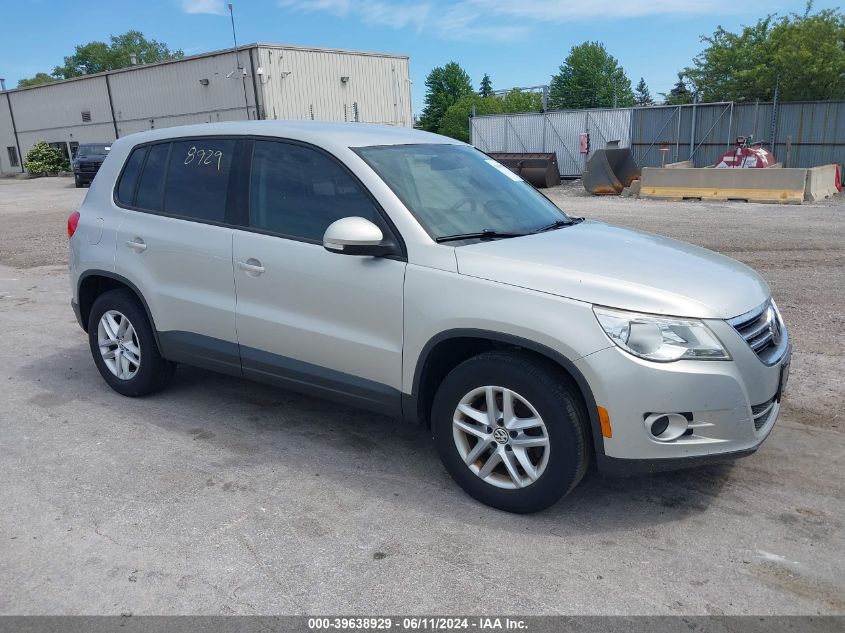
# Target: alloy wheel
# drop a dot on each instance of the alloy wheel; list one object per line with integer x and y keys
{"x": 119, "y": 345}
{"x": 501, "y": 437}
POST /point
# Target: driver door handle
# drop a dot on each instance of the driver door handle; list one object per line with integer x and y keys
{"x": 251, "y": 267}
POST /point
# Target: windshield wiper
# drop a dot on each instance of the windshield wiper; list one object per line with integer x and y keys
{"x": 556, "y": 225}
{"x": 486, "y": 234}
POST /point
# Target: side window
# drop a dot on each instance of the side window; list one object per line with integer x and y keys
{"x": 198, "y": 178}
{"x": 298, "y": 191}
{"x": 129, "y": 177}
{"x": 151, "y": 185}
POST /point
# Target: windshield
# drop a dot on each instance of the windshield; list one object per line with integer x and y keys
{"x": 94, "y": 150}
{"x": 455, "y": 190}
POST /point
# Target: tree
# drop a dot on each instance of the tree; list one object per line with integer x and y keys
{"x": 96, "y": 57}
{"x": 679, "y": 94}
{"x": 804, "y": 54}
{"x": 590, "y": 78}
{"x": 486, "y": 87}
{"x": 444, "y": 86}
{"x": 455, "y": 121}
{"x": 43, "y": 159}
{"x": 39, "y": 79}
{"x": 642, "y": 96}
{"x": 519, "y": 101}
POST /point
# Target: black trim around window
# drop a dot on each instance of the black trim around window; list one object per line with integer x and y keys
{"x": 238, "y": 203}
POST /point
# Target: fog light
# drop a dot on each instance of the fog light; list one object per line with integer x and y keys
{"x": 665, "y": 427}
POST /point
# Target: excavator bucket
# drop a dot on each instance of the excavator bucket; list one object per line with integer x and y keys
{"x": 540, "y": 169}
{"x": 609, "y": 171}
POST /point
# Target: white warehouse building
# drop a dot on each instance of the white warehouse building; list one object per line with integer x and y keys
{"x": 261, "y": 81}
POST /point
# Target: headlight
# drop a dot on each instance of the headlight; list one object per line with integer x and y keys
{"x": 660, "y": 339}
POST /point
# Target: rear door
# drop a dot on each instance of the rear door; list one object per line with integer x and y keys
{"x": 174, "y": 246}
{"x": 309, "y": 319}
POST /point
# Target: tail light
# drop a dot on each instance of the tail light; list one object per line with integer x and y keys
{"x": 72, "y": 223}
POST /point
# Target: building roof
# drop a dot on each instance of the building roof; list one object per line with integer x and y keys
{"x": 217, "y": 53}
{"x": 321, "y": 133}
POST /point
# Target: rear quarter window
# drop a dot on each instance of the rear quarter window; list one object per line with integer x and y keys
{"x": 151, "y": 184}
{"x": 129, "y": 177}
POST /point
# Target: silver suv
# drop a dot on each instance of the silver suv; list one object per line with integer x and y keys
{"x": 410, "y": 274}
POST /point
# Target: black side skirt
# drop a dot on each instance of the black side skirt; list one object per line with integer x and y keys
{"x": 273, "y": 369}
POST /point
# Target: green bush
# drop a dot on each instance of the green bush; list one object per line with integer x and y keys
{"x": 43, "y": 159}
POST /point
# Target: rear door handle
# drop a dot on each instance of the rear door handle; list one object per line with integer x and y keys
{"x": 251, "y": 267}
{"x": 137, "y": 244}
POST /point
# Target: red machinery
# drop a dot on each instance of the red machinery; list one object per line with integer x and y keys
{"x": 746, "y": 155}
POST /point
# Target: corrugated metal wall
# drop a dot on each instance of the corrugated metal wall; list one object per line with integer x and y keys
{"x": 172, "y": 94}
{"x": 177, "y": 93}
{"x": 54, "y": 113}
{"x": 308, "y": 84}
{"x": 816, "y": 131}
{"x": 7, "y": 138}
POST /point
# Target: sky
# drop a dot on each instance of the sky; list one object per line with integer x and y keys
{"x": 517, "y": 42}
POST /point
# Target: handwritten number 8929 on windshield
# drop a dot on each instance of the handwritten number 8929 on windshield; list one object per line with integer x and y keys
{"x": 203, "y": 157}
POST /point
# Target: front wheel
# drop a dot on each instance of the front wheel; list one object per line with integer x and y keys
{"x": 511, "y": 431}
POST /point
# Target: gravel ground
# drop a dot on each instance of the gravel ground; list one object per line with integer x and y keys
{"x": 220, "y": 496}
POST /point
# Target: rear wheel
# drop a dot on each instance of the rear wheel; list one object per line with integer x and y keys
{"x": 123, "y": 346}
{"x": 78, "y": 182}
{"x": 511, "y": 431}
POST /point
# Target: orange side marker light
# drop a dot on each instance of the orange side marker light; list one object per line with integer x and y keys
{"x": 604, "y": 420}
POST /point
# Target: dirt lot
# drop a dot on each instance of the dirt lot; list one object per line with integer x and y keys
{"x": 221, "y": 496}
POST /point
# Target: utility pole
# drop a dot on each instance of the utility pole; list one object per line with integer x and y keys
{"x": 238, "y": 68}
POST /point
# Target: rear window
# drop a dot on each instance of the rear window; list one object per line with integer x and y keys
{"x": 151, "y": 185}
{"x": 198, "y": 178}
{"x": 129, "y": 177}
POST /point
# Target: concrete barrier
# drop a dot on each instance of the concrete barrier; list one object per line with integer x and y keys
{"x": 785, "y": 186}
{"x": 821, "y": 182}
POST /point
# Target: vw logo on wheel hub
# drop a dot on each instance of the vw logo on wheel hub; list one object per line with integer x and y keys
{"x": 500, "y": 435}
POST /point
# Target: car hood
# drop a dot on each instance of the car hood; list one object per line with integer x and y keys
{"x": 622, "y": 268}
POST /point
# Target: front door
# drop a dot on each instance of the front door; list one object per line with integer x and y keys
{"x": 309, "y": 319}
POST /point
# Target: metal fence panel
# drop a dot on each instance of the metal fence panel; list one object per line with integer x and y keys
{"x": 608, "y": 127}
{"x": 562, "y": 137}
{"x": 524, "y": 133}
{"x": 816, "y": 132}
{"x": 806, "y": 134}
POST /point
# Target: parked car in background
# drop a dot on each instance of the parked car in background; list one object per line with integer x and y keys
{"x": 87, "y": 162}
{"x": 412, "y": 275}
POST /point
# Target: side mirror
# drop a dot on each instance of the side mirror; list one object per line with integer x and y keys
{"x": 356, "y": 236}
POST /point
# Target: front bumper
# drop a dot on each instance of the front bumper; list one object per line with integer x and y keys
{"x": 731, "y": 405}
{"x": 617, "y": 467}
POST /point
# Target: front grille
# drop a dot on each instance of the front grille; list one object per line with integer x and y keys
{"x": 764, "y": 331}
{"x": 761, "y": 413}
{"x": 89, "y": 167}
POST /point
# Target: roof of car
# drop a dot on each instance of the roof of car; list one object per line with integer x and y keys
{"x": 317, "y": 132}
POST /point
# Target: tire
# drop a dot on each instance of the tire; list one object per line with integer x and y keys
{"x": 152, "y": 372}
{"x": 78, "y": 183}
{"x": 538, "y": 389}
